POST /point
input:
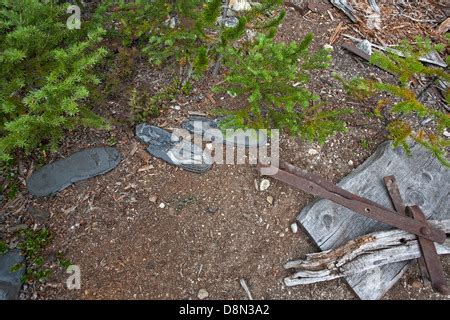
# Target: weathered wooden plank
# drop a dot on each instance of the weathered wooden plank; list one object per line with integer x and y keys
{"x": 422, "y": 181}
{"x": 361, "y": 254}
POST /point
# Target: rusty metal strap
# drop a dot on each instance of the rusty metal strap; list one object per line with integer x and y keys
{"x": 319, "y": 187}
{"x": 432, "y": 261}
{"x": 400, "y": 207}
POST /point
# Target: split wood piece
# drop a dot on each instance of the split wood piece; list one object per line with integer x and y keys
{"x": 444, "y": 27}
{"x": 422, "y": 180}
{"x": 362, "y": 254}
{"x": 361, "y": 53}
{"x": 345, "y": 8}
{"x": 355, "y": 50}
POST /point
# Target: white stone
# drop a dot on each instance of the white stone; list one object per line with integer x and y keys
{"x": 162, "y": 205}
{"x": 264, "y": 185}
{"x": 312, "y": 152}
{"x": 202, "y": 294}
{"x": 294, "y": 227}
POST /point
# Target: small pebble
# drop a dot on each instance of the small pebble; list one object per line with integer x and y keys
{"x": 312, "y": 152}
{"x": 202, "y": 294}
{"x": 350, "y": 163}
{"x": 162, "y": 205}
{"x": 270, "y": 200}
{"x": 153, "y": 199}
{"x": 294, "y": 227}
{"x": 264, "y": 185}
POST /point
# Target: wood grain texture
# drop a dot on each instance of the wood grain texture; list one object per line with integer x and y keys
{"x": 361, "y": 254}
{"x": 422, "y": 181}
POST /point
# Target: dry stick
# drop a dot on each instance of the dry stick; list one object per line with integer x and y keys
{"x": 331, "y": 16}
{"x": 246, "y": 289}
{"x": 417, "y": 20}
{"x": 361, "y": 254}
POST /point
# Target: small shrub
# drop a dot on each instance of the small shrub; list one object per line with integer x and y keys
{"x": 32, "y": 246}
{"x": 45, "y": 75}
{"x": 122, "y": 71}
{"x": 275, "y": 84}
{"x": 3, "y": 247}
{"x": 188, "y": 36}
{"x": 404, "y": 104}
{"x": 142, "y": 106}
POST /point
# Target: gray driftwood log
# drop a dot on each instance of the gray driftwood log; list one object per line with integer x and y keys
{"x": 422, "y": 181}
{"x": 361, "y": 254}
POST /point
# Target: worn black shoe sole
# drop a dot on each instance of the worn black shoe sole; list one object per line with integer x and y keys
{"x": 82, "y": 165}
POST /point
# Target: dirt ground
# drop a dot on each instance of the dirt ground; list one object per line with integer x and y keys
{"x": 215, "y": 228}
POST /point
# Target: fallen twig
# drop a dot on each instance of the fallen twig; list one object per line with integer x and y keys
{"x": 246, "y": 289}
{"x": 418, "y": 20}
{"x": 336, "y": 33}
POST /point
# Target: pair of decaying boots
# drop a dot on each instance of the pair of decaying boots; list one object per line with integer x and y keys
{"x": 176, "y": 150}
